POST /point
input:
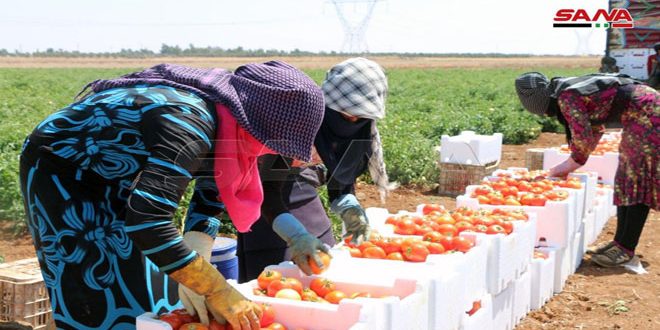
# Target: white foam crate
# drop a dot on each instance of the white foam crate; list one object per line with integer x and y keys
{"x": 471, "y": 149}
{"x": 448, "y": 288}
{"x": 503, "y": 309}
{"x": 589, "y": 228}
{"x": 149, "y": 321}
{"x": 522, "y": 295}
{"x": 462, "y": 263}
{"x": 563, "y": 265}
{"x": 482, "y": 319}
{"x": 589, "y": 184}
{"x": 605, "y": 165}
{"x": 578, "y": 251}
{"x": 555, "y": 221}
{"x": 321, "y": 320}
{"x": 507, "y": 256}
{"x": 608, "y": 194}
{"x": 543, "y": 277}
{"x": 406, "y": 306}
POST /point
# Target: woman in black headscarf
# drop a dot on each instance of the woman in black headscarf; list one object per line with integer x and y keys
{"x": 348, "y": 143}
{"x": 583, "y": 104}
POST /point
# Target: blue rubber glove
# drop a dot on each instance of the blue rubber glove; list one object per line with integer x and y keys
{"x": 353, "y": 216}
{"x": 301, "y": 243}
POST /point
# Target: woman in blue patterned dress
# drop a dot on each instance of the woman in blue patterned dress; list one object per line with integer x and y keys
{"x": 102, "y": 178}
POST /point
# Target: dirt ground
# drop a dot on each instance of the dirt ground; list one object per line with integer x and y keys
{"x": 306, "y": 62}
{"x": 594, "y": 298}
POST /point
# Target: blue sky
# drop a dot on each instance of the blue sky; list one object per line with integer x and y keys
{"x": 434, "y": 26}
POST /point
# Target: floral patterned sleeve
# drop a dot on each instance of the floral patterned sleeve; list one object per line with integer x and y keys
{"x": 584, "y": 136}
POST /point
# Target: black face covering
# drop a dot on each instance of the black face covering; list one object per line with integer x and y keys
{"x": 344, "y": 147}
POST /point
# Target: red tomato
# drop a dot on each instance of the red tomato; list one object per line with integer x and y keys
{"x": 462, "y": 244}
{"x": 423, "y": 230}
{"x": 463, "y": 226}
{"x": 295, "y": 284}
{"x": 511, "y": 201}
{"x": 416, "y": 252}
{"x": 495, "y": 229}
{"x": 374, "y": 253}
{"x": 480, "y": 228}
{"x": 184, "y": 316}
{"x": 267, "y": 276}
{"x": 418, "y": 220}
{"x": 476, "y": 306}
{"x": 365, "y": 245}
{"x": 276, "y": 326}
{"x": 448, "y": 230}
{"x": 444, "y": 219}
{"x": 447, "y": 242}
{"x": 172, "y": 319}
{"x": 215, "y": 325}
{"x": 325, "y": 258}
{"x": 435, "y": 248}
{"x": 483, "y": 190}
{"x": 508, "y": 226}
{"x": 355, "y": 252}
{"x": 428, "y": 208}
{"x": 556, "y": 195}
{"x": 483, "y": 199}
{"x": 193, "y": 326}
{"x": 405, "y": 227}
{"x": 321, "y": 286}
{"x": 392, "y": 221}
{"x": 395, "y": 256}
{"x": 533, "y": 200}
{"x": 334, "y": 297}
{"x": 433, "y": 236}
{"x": 268, "y": 316}
{"x": 309, "y": 295}
{"x": 278, "y": 285}
{"x": 288, "y": 294}
{"x": 392, "y": 245}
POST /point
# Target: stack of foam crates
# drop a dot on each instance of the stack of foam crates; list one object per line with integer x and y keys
{"x": 23, "y": 294}
{"x": 543, "y": 277}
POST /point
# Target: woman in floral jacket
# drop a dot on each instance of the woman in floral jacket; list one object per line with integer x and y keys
{"x": 583, "y": 105}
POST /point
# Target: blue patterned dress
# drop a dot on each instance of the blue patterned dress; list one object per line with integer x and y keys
{"x": 101, "y": 180}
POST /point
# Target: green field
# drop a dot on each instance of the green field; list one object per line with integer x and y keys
{"x": 422, "y": 105}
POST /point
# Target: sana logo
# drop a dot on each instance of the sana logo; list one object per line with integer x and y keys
{"x": 618, "y": 18}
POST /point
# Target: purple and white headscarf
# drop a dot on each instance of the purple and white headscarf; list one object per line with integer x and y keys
{"x": 276, "y": 103}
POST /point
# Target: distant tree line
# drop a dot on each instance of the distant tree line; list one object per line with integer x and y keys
{"x": 193, "y": 51}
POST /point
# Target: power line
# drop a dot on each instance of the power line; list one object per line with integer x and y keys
{"x": 355, "y": 23}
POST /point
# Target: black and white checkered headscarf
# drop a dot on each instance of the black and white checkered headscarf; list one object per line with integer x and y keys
{"x": 358, "y": 87}
{"x": 534, "y": 92}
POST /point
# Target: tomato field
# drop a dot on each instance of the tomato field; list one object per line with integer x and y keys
{"x": 422, "y": 105}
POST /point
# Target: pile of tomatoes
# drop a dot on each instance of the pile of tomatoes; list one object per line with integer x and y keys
{"x": 610, "y": 145}
{"x": 180, "y": 320}
{"x": 523, "y": 191}
{"x": 452, "y": 223}
{"x": 321, "y": 290}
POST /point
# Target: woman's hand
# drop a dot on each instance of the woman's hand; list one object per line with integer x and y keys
{"x": 222, "y": 300}
{"x": 563, "y": 169}
{"x": 231, "y": 305}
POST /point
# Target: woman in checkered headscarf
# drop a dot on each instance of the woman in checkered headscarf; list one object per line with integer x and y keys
{"x": 348, "y": 143}
{"x": 583, "y": 105}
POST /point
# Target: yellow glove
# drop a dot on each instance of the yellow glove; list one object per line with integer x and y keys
{"x": 222, "y": 300}
{"x": 196, "y": 304}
